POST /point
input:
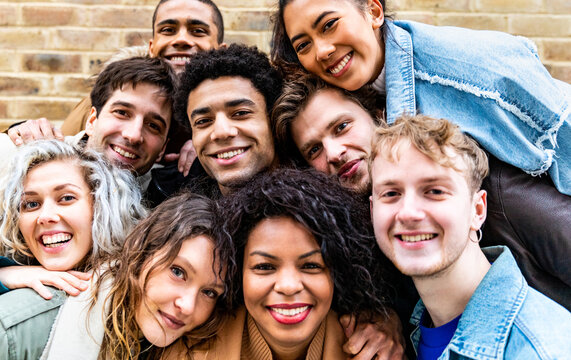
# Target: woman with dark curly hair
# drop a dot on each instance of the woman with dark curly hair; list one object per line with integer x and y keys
{"x": 304, "y": 253}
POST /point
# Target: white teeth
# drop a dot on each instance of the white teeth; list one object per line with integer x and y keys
{"x": 341, "y": 65}
{"x": 124, "y": 153}
{"x": 290, "y": 312}
{"x": 53, "y": 240}
{"x": 230, "y": 154}
{"x": 416, "y": 238}
{"x": 180, "y": 58}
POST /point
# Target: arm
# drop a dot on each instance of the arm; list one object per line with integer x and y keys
{"x": 185, "y": 157}
{"x": 36, "y": 277}
{"x": 381, "y": 340}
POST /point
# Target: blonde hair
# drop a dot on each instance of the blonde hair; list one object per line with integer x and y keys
{"x": 116, "y": 199}
{"x": 434, "y": 138}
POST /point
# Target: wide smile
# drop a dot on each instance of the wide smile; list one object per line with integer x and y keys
{"x": 340, "y": 67}
{"x": 416, "y": 238}
{"x": 55, "y": 240}
{"x": 124, "y": 153}
{"x": 290, "y": 314}
{"x": 229, "y": 156}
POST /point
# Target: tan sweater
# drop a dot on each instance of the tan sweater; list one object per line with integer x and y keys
{"x": 240, "y": 339}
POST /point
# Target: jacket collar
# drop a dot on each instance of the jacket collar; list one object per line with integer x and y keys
{"x": 399, "y": 76}
{"x": 485, "y": 325}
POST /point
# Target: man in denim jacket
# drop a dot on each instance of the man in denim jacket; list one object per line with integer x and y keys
{"x": 427, "y": 210}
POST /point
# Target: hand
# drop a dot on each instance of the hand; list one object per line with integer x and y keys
{"x": 381, "y": 340}
{"x": 35, "y": 277}
{"x": 34, "y": 130}
{"x": 185, "y": 158}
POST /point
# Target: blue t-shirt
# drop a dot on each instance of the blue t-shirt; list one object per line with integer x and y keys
{"x": 433, "y": 341}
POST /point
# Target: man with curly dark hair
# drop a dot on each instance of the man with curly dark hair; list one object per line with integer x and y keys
{"x": 226, "y": 99}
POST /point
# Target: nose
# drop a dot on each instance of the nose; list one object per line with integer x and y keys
{"x": 48, "y": 213}
{"x": 223, "y": 128}
{"x": 288, "y": 281}
{"x": 183, "y": 39}
{"x": 324, "y": 49}
{"x": 334, "y": 150}
{"x": 410, "y": 209}
{"x": 185, "y": 302}
{"x": 133, "y": 130}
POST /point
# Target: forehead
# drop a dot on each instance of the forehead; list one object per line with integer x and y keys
{"x": 143, "y": 97}
{"x": 182, "y": 10}
{"x": 55, "y": 172}
{"x": 220, "y": 92}
{"x": 278, "y": 232}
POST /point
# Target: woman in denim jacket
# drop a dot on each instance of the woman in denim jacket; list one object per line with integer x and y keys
{"x": 491, "y": 84}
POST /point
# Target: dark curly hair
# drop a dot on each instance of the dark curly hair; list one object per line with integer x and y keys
{"x": 338, "y": 220}
{"x": 160, "y": 237}
{"x": 134, "y": 71}
{"x": 236, "y": 61}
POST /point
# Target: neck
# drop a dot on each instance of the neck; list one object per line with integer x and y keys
{"x": 289, "y": 353}
{"x": 447, "y": 293}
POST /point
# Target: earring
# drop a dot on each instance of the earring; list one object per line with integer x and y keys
{"x": 478, "y": 235}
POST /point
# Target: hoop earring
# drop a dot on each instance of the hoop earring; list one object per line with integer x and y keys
{"x": 478, "y": 235}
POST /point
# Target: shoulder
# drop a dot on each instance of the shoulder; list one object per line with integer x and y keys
{"x": 533, "y": 328}
{"x": 26, "y": 320}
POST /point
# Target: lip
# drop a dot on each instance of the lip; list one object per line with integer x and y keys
{"x": 239, "y": 150}
{"x": 349, "y": 169}
{"x": 122, "y": 158}
{"x": 171, "y": 321}
{"x": 290, "y": 319}
{"x": 344, "y": 69}
{"x": 418, "y": 239}
{"x": 57, "y": 249}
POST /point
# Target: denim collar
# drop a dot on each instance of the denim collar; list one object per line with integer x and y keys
{"x": 399, "y": 77}
{"x": 485, "y": 325}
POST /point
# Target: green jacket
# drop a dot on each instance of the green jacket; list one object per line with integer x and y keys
{"x": 26, "y": 320}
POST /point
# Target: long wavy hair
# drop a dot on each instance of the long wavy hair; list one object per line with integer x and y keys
{"x": 116, "y": 199}
{"x": 158, "y": 240}
{"x": 337, "y": 218}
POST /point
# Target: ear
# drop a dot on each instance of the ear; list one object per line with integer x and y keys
{"x": 223, "y": 45}
{"x": 377, "y": 13}
{"x": 151, "y": 48}
{"x": 480, "y": 204}
{"x": 162, "y": 153}
{"x": 91, "y": 120}
{"x": 371, "y": 206}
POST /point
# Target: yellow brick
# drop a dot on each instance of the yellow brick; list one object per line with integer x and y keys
{"x": 509, "y": 6}
{"x": 86, "y": 39}
{"x": 11, "y": 38}
{"x": 8, "y": 14}
{"x": 439, "y": 5}
{"x": 50, "y": 15}
{"x": 131, "y": 17}
{"x": 78, "y": 86}
{"x": 474, "y": 21}
{"x": 540, "y": 25}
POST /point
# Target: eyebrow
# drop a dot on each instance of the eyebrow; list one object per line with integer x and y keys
{"x": 186, "y": 263}
{"x": 167, "y": 22}
{"x": 228, "y": 104}
{"x": 332, "y": 123}
{"x": 428, "y": 180}
{"x": 303, "y": 256}
{"x": 314, "y": 25}
{"x": 196, "y": 22}
{"x": 57, "y": 188}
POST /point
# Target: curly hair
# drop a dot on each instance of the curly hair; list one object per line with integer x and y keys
{"x": 295, "y": 97}
{"x": 216, "y": 18}
{"x": 434, "y": 138}
{"x": 133, "y": 71}
{"x": 282, "y": 52}
{"x": 235, "y": 61}
{"x": 337, "y": 219}
{"x": 158, "y": 240}
{"x": 116, "y": 199}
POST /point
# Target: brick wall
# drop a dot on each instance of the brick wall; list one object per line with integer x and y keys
{"x": 48, "y": 49}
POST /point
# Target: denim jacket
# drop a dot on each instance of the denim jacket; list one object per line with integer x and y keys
{"x": 506, "y": 319}
{"x": 491, "y": 84}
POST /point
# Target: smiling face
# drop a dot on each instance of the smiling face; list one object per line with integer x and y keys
{"x": 287, "y": 288}
{"x": 56, "y": 215}
{"x": 423, "y": 212}
{"x": 132, "y": 128}
{"x": 336, "y": 41}
{"x": 181, "y": 296}
{"x": 230, "y": 130}
{"x": 333, "y": 133}
{"x": 181, "y": 29}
